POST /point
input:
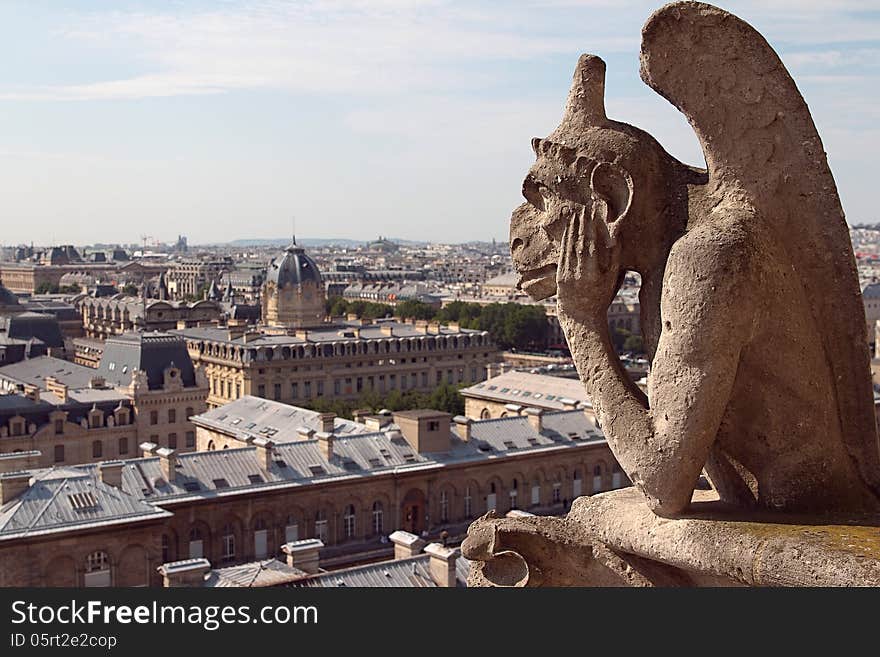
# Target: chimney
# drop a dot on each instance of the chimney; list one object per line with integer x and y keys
{"x": 387, "y": 329}
{"x": 305, "y": 433}
{"x": 360, "y": 415}
{"x": 111, "y": 473}
{"x": 568, "y": 404}
{"x": 13, "y": 484}
{"x": 377, "y": 422}
{"x": 405, "y": 544}
{"x": 513, "y": 409}
{"x": 463, "y": 427}
{"x": 148, "y": 449}
{"x": 442, "y": 564}
{"x": 265, "y": 451}
{"x": 188, "y": 573}
{"x": 168, "y": 463}
{"x": 302, "y": 334}
{"x": 32, "y": 392}
{"x": 536, "y": 418}
{"x": 325, "y": 443}
{"x": 327, "y": 421}
{"x": 305, "y": 554}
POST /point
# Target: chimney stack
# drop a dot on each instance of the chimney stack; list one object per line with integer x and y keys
{"x": 13, "y": 484}
{"x": 442, "y": 564}
{"x": 305, "y": 433}
{"x": 360, "y": 415}
{"x": 32, "y": 392}
{"x": 168, "y": 463}
{"x": 463, "y": 427}
{"x": 405, "y": 544}
{"x": 188, "y": 573}
{"x": 325, "y": 443}
{"x": 18, "y": 461}
{"x": 568, "y": 404}
{"x": 265, "y": 451}
{"x": 111, "y": 473}
{"x": 513, "y": 409}
{"x": 536, "y": 418}
{"x": 148, "y": 449}
{"x": 304, "y": 554}
{"x": 327, "y": 421}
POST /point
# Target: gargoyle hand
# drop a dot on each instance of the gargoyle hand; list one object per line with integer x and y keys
{"x": 588, "y": 274}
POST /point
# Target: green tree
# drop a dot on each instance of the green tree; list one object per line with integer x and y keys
{"x": 130, "y": 289}
{"x": 634, "y": 344}
{"x": 446, "y": 398}
{"x": 412, "y": 308}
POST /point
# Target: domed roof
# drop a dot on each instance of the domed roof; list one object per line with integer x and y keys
{"x": 293, "y": 268}
{"x": 7, "y": 298}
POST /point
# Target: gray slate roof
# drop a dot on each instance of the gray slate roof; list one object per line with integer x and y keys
{"x": 61, "y": 499}
{"x": 268, "y": 572}
{"x": 35, "y": 370}
{"x": 527, "y": 389}
{"x": 412, "y": 572}
{"x": 293, "y": 268}
{"x": 252, "y": 417}
{"x": 151, "y": 352}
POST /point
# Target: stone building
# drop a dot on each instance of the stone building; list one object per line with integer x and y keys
{"x": 293, "y": 294}
{"x": 189, "y": 277}
{"x": 337, "y": 361}
{"x": 103, "y": 317}
{"x": 150, "y": 375}
{"x": 116, "y": 522}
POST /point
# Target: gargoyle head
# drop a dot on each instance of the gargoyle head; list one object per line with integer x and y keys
{"x": 613, "y": 171}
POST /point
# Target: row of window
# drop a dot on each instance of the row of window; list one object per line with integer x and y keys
{"x": 123, "y": 446}
{"x": 171, "y": 415}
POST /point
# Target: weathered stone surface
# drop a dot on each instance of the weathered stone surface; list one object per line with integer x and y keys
{"x": 760, "y": 372}
{"x": 613, "y": 539}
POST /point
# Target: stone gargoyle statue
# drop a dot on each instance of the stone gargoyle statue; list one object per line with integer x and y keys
{"x": 750, "y": 305}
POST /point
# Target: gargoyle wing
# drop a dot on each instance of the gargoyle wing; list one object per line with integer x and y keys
{"x": 760, "y": 143}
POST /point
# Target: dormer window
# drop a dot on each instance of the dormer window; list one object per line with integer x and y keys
{"x": 59, "y": 426}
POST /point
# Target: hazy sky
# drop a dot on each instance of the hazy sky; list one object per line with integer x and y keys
{"x": 221, "y": 120}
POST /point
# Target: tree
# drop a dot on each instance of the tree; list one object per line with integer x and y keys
{"x": 634, "y": 344}
{"x": 447, "y": 398}
{"x": 130, "y": 289}
{"x": 412, "y": 308}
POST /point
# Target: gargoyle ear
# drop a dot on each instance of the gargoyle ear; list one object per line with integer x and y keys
{"x": 536, "y": 146}
{"x": 613, "y": 185}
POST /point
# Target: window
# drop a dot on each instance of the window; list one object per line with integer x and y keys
{"x": 616, "y": 477}
{"x": 294, "y": 390}
{"x": 491, "y": 498}
{"x": 444, "y": 506}
{"x": 190, "y": 439}
{"x": 227, "y": 543}
{"x": 337, "y": 387}
{"x": 433, "y": 425}
{"x": 154, "y": 417}
{"x": 321, "y": 526}
{"x": 557, "y": 492}
{"x": 307, "y": 389}
{"x": 291, "y": 530}
{"x": 576, "y": 486}
{"x": 536, "y": 493}
{"x": 378, "y": 518}
{"x": 320, "y": 386}
{"x": 166, "y": 549}
{"x": 97, "y": 569}
{"x": 196, "y": 545}
{"x": 467, "y": 502}
{"x": 261, "y": 390}
{"x": 123, "y": 445}
{"x": 59, "y": 426}
{"x": 172, "y": 415}
{"x": 276, "y": 392}
{"x": 512, "y": 494}
{"x": 17, "y": 428}
{"x": 597, "y": 478}
{"x": 189, "y": 412}
{"x": 59, "y": 453}
{"x": 261, "y": 539}
{"x": 172, "y": 440}
{"x": 97, "y": 449}
{"x": 349, "y": 521}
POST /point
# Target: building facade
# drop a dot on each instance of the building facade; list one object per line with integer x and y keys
{"x": 424, "y": 474}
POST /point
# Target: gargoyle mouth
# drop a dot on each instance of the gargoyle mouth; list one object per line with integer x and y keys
{"x": 538, "y": 283}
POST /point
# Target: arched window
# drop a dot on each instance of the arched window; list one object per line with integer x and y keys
{"x": 485, "y": 414}
{"x": 227, "y": 543}
{"x": 468, "y": 503}
{"x": 616, "y": 476}
{"x": 444, "y": 506}
{"x": 378, "y": 518}
{"x": 536, "y": 492}
{"x": 491, "y": 498}
{"x": 349, "y": 521}
{"x": 211, "y": 446}
{"x": 513, "y": 494}
{"x": 291, "y": 529}
{"x": 321, "y": 525}
{"x": 261, "y": 539}
{"x": 576, "y": 483}
{"x": 97, "y": 569}
{"x": 196, "y": 544}
{"x": 97, "y": 449}
{"x": 597, "y": 478}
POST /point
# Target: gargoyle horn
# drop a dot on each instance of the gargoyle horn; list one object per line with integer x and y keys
{"x": 586, "y": 100}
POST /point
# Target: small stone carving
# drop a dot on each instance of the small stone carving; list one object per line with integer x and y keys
{"x": 750, "y": 302}
{"x": 751, "y": 316}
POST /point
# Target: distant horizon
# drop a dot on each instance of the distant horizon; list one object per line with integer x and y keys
{"x": 216, "y": 119}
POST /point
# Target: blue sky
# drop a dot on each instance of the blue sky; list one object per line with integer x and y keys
{"x": 222, "y": 120}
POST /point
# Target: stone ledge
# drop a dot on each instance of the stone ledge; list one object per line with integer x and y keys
{"x": 614, "y": 539}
